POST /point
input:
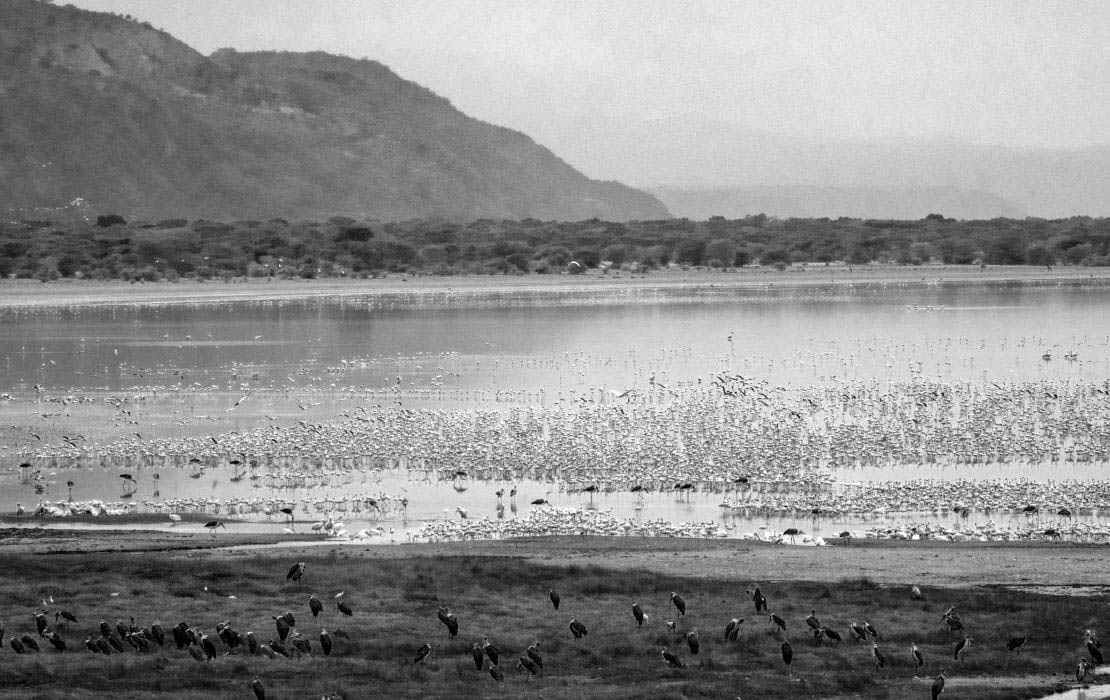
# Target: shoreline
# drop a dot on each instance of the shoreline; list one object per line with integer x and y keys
{"x": 21, "y": 294}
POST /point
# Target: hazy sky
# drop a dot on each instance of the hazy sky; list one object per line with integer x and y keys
{"x": 569, "y": 72}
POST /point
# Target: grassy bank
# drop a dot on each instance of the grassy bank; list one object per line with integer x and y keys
{"x": 395, "y": 599}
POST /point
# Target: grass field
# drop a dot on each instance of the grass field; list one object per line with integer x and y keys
{"x": 395, "y": 599}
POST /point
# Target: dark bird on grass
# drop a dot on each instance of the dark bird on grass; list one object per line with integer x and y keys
{"x": 478, "y": 654}
{"x": 534, "y": 654}
{"x": 961, "y": 647}
{"x": 496, "y": 673}
{"x": 638, "y": 614}
{"x": 759, "y": 599}
{"x": 325, "y": 642}
{"x": 344, "y": 608}
{"x": 812, "y": 620}
{"x": 267, "y": 651}
{"x": 91, "y": 645}
{"x": 252, "y": 642}
{"x": 289, "y": 618}
{"x": 1094, "y": 651}
{"x": 212, "y": 525}
{"x": 539, "y": 502}
{"x": 104, "y": 647}
{"x": 1015, "y": 643}
{"x": 490, "y": 650}
{"x": 831, "y": 634}
{"x": 422, "y": 653}
{"x": 442, "y": 613}
{"x": 296, "y": 572}
{"x": 282, "y": 627}
{"x": 693, "y": 642}
{"x": 105, "y": 630}
{"x": 209, "y": 647}
{"x": 938, "y": 686}
{"x": 279, "y": 648}
{"x": 55, "y": 641}
{"x": 314, "y": 605}
{"x": 300, "y": 644}
{"x": 918, "y": 657}
{"x": 858, "y": 632}
{"x": 179, "y": 636}
{"x": 787, "y": 653}
{"x": 577, "y": 628}
{"x": 158, "y": 634}
{"x": 776, "y": 620}
{"x": 554, "y": 598}
{"x": 1081, "y": 669}
{"x": 287, "y": 511}
{"x": 732, "y": 629}
{"x": 672, "y": 659}
{"x": 679, "y": 603}
{"x": 871, "y": 631}
{"x": 121, "y": 629}
{"x": 139, "y": 641}
{"x": 954, "y": 624}
{"x": 40, "y": 622}
{"x": 528, "y": 665}
{"x": 916, "y": 594}
{"x": 877, "y": 654}
{"x": 452, "y": 624}
{"x": 197, "y": 653}
{"x": 116, "y": 643}
{"x": 259, "y": 691}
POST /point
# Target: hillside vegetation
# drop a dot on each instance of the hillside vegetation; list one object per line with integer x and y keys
{"x": 346, "y": 247}
{"x": 113, "y": 112}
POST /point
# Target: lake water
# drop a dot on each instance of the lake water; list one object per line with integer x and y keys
{"x": 89, "y": 391}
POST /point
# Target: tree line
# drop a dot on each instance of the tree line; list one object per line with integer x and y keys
{"x": 113, "y": 248}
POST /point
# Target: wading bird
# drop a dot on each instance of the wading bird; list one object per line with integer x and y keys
{"x": 918, "y": 657}
{"x": 314, "y": 605}
{"x": 211, "y": 525}
{"x": 490, "y": 650}
{"x": 259, "y": 691}
{"x": 787, "y": 653}
{"x": 961, "y": 647}
{"x": 554, "y": 598}
{"x": 1015, "y": 643}
{"x": 877, "y": 654}
{"x": 496, "y": 673}
{"x": 776, "y": 620}
{"x": 478, "y": 654}
{"x": 759, "y": 600}
{"x": 812, "y": 620}
{"x": 344, "y": 608}
{"x": 534, "y": 654}
{"x": 296, "y": 572}
{"x": 577, "y": 629}
{"x": 525, "y": 663}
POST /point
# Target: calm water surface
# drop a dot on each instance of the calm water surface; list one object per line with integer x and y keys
{"x": 207, "y": 369}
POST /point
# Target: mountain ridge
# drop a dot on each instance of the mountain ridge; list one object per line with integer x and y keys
{"x": 130, "y": 119}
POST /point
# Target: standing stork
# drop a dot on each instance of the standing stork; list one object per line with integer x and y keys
{"x": 490, "y": 650}
{"x": 314, "y": 605}
{"x": 496, "y": 673}
{"x": 295, "y": 572}
{"x": 672, "y": 659}
{"x": 759, "y": 600}
{"x": 478, "y": 654}
{"x": 1081, "y": 669}
{"x": 577, "y": 628}
{"x": 938, "y": 686}
{"x": 961, "y": 647}
{"x": 916, "y": 593}
{"x": 325, "y": 642}
{"x": 679, "y": 603}
{"x": 813, "y": 622}
{"x": 787, "y": 654}
{"x": 211, "y": 526}
{"x": 693, "y": 642}
{"x": 877, "y": 654}
{"x": 732, "y": 629}
{"x": 528, "y": 665}
{"x": 344, "y": 608}
{"x": 778, "y": 621}
{"x": 259, "y": 690}
{"x": 918, "y": 658}
{"x": 830, "y": 634}
{"x": 1015, "y": 643}
{"x": 534, "y": 654}
{"x": 638, "y": 614}
{"x": 554, "y": 597}
{"x": 422, "y": 653}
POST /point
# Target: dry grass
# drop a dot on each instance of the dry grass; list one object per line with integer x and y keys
{"x": 395, "y": 601}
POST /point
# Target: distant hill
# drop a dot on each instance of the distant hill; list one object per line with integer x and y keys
{"x": 133, "y": 121}
{"x": 856, "y": 202}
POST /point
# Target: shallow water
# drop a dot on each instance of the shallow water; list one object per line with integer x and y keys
{"x": 99, "y": 377}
